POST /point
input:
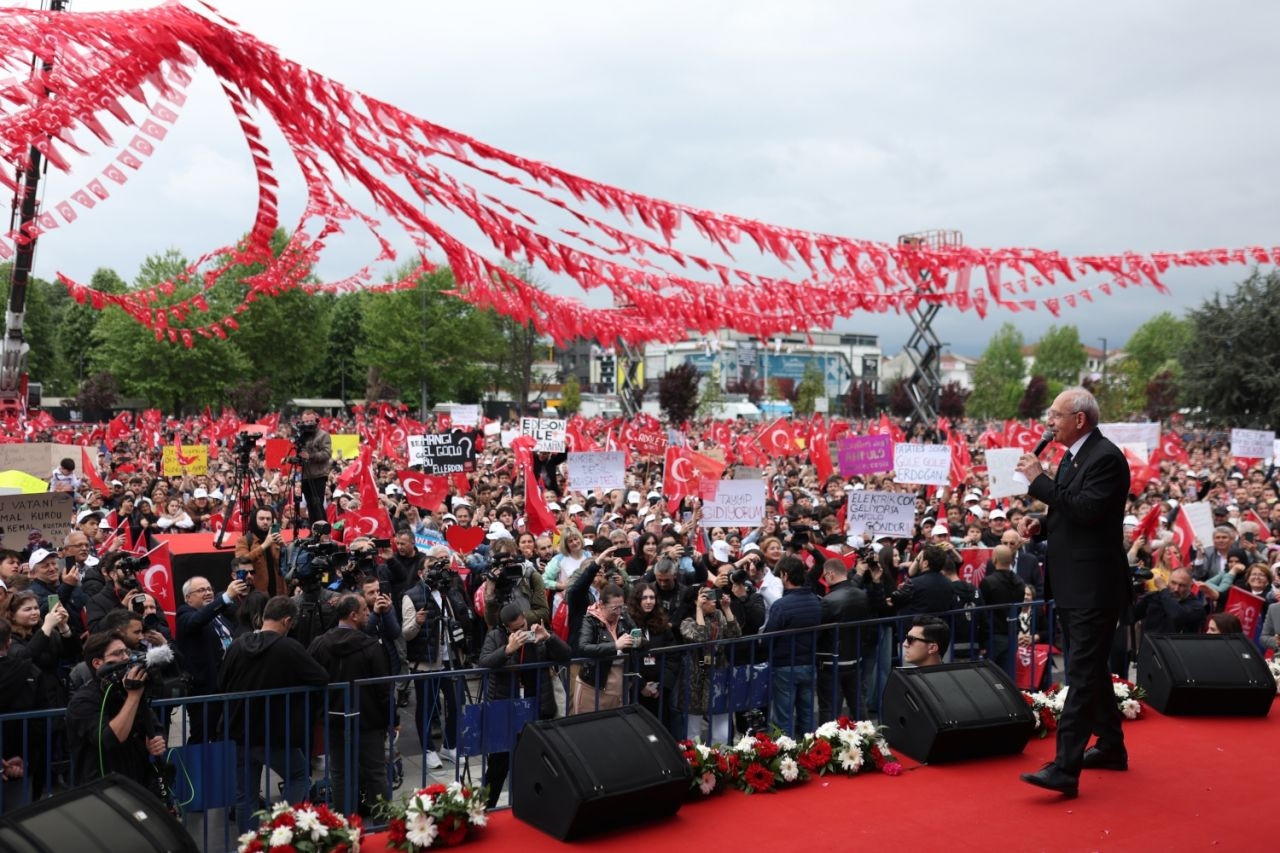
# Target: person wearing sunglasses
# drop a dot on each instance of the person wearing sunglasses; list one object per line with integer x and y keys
{"x": 926, "y": 642}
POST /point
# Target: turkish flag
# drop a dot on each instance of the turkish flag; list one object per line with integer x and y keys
{"x": 778, "y": 439}
{"x": 157, "y": 581}
{"x": 91, "y": 473}
{"x": 373, "y": 519}
{"x": 684, "y": 469}
{"x": 538, "y": 517}
{"x": 276, "y": 451}
{"x": 1149, "y": 526}
{"x": 1170, "y": 448}
{"x": 423, "y": 490}
{"x": 820, "y": 451}
{"x": 118, "y": 428}
{"x": 1183, "y": 535}
{"x": 1140, "y": 473}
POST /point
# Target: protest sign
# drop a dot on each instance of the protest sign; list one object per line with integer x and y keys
{"x": 548, "y": 433}
{"x": 195, "y": 460}
{"x": 425, "y": 540}
{"x": 744, "y": 473}
{"x": 1002, "y": 465}
{"x": 647, "y": 441}
{"x": 39, "y": 458}
{"x": 1147, "y": 433}
{"x": 1200, "y": 517}
{"x": 466, "y": 416}
{"x": 880, "y": 513}
{"x": 344, "y": 445}
{"x": 443, "y": 453}
{"x": 493, "y": 428}
{"x": 732, "y": 503}
{"x": 864, "y": 454}
{"x": 922, "y": 464}
{"x": 509, "y": 436}
{"x": 603, "y": 470}
{"x": 1252, "y": 443}
{"x": 28, "y": 519}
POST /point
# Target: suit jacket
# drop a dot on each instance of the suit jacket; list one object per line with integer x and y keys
{"x": 1085, "y": 562}
{"x": 199, "y": 644}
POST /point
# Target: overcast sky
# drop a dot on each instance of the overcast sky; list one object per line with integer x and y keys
{"x": 1089, "y": 127}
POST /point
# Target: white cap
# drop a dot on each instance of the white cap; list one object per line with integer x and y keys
{"x": 633, "y": 497}
{"x": 115, "y": 483}
{"x": 973, "y": 496}
{"x": 448, "y": 516}
{"x": 677, "y": 528}
{"x": 498, "y": 530}
{"x": 998, "y": 513}
{"x": 720, "y": 551}
{"x": 614, "y": 517}
{"x": 575, "y": 509}
{"x": 974, "y": 511}
{"x": 201, "y": 492}
{"x": 339, "y": 493}
{"x": 38, "y": 556}
{"x": 461, "y": 501}
{"x": 1130, "y": 521}
{"x": 87, "y": 513}
{"x": 749, "y": 547}
{"x": 655, "y": 495}
{"x": 104, "y": 524}
{"x": 939, "y": 530}
{"x": 553, "y": 506}
{"x": 854, "y": 541}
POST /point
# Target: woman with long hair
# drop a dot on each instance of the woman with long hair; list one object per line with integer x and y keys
{"x": 562, "y": 567}
{"x": 645, "y": 555}
{"x": 656, "y": 670}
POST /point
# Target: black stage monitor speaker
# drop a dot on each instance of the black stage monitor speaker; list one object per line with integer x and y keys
{"x": 113, "y": 814}
{"x": 591, "y": 772}
{"x": 1205, "y": 674}
{"x": 954, "y": 712}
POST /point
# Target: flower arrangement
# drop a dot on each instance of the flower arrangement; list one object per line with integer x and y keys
{"x": 845, "y": 746}
{"x": 767, "y": 762}
{"x": 712, "y": 768}
{"x": 1274, "y": 666}
{"x": 304, "y": 828}
{"x": 1048, "y": 705}
{"x": 437, "y": 815}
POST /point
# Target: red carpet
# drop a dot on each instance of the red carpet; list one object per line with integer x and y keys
{"x": 1193, "y": 784}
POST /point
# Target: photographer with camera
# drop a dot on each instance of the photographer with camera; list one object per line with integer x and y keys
{"x": 262, "y": 544}
{"x": 384, "y": 622}
{"x": 511, "y": 579}
{"x": 1173, "y": 608}
{"x": 315, "y": 449}
{"x": 109, "y": 728}
{"x": 435, "y": 615}
{"x": 122, "y": 587}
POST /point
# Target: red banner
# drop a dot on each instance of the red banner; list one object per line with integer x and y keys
{"x": 974, "y": 567}
{"x": 1248, "y": 609}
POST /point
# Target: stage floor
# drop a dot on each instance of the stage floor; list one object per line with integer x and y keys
{"x": 1193, "y": 784}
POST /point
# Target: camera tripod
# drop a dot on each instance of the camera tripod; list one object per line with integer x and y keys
{"x": 244, "y": 494}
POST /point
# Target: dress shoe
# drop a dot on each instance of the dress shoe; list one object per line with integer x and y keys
{"x": 1052, "y": 778}
{"x": 1109, "y": 759}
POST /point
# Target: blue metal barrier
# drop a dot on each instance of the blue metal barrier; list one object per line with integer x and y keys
{"x": 232, "y": 754}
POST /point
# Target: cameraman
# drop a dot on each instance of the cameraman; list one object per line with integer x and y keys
{"x": 1172, "y": 608}
{"x": 315, "y": 449}
{"x": 435, "y": 616}
{"x": 108, "y": 729}
{"x": 512, "y": 580}
{"x": 362, "y": 563}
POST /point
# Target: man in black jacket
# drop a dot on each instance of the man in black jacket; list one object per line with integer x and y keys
{"x": 122, "y": 585}
{"x": 205, "y": 623}
{"x": 839, "y": 650}
{"x": 1001, "y": 586}
{"x": 347, "y": 653}
{"x": 269, "y": 659}
{"x": 513, "y": 643}
{"x": 1088, "y": 578}
{"x": 927, "y": 590}
{"x": 1172, "y": 608}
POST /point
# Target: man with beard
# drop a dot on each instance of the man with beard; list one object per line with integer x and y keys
{"x": 261, "y": 544}
{"x": 315, "y": 449}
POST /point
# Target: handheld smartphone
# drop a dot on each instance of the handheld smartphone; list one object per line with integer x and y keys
{"x": 275, "y": 528}
{"x": 68, "y": 563}
{"x": 686, "y": 516}
{"x": 624, "y": 553}
{"x": 636, "y": 634}
{"x": 53, "y": 601}
{"x": 242, "y": 575}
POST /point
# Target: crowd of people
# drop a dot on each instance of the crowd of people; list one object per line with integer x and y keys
{"x": 599, "y": 595}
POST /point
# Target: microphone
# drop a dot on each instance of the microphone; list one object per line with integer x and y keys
{"x": 1044, "y": 442}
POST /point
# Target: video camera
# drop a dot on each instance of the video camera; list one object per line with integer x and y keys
{"x": 129, "y": 568}
{"x": 153, "y": 660}
{"x": 303, "y": 431}
{"x": 242, "y": 449}
{"x": 317, "y": 561}
{"x": 506, "y": 572}
{"x": 436, "y": 574}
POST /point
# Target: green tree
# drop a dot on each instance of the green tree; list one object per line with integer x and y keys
{"x": 1157, "y": 345}
{"x": 997, "y": 377}
{"x": 1232, "y": 370}
{"x": 570, "y": 396}
{"x": 425, "y": 335}
{"x": 711, "y": 397}
{"x": 811, "y": 387}
{"x": 38, "y": 323}
{"x": 1060, "y": 356}
{"x": 164, "y": 374}
{"x": 74, "y": 335}
{"x": 678, "y": 392}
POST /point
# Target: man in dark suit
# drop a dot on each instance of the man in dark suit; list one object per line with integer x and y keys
{"x": 205, "y": 625}
{"x": 1087, "y": 575}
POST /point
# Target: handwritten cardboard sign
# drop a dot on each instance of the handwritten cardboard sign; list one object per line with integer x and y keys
{"x": 860, "y": 455}
{"x": 1252, "y": 443}
{"x": 922, "y": 464}
{"x": 548, "y": 433}
{"x": 880, "y": 513}
{"x": 600, "y": 470}
{"x": 732, "y": 503}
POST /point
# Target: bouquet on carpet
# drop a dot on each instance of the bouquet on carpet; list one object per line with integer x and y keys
{"x": 438, "y": 815}
{"x": 766, "y": 763}
{"x": 849, "y": 747}
{"x": 713, "y": 768}
{"x": 304, "y": 828}
{"x": 1047, "y": 705}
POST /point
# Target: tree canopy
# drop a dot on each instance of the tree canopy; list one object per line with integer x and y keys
{"x": 997, "y": 377}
